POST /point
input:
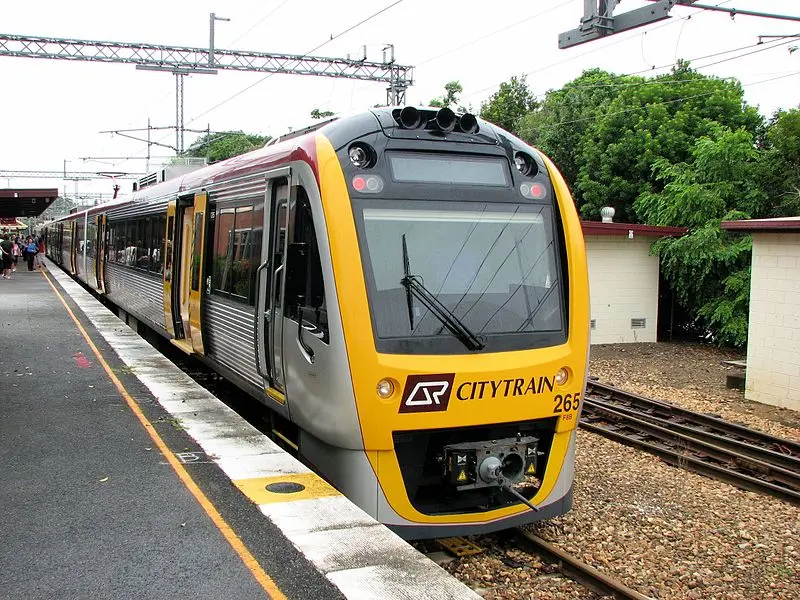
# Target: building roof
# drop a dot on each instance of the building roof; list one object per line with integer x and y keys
{"x": 11, "y": 223}
{"x": 781, "y": 225}
{"x": 599, "y": 228}
{"x": 25, "y": 202}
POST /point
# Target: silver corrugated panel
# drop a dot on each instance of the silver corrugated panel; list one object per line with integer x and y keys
{"x": 140, "y": 209}
{"x": 248, "y": 186}
{"x": 229, "y": 337}
{"x": 138, "y": 293}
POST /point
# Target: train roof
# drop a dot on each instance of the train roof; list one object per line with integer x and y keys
{"x": 281, "y": 149}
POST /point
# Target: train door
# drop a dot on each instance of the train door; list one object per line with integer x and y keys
{"x": 171, "y": 315}
{"x": 187, "y": 271}
{"x": 90, "y": 247}
{"x": 270, "y": 285}
{"x": 307, "y": 361}
{"x": 73, "y": 247}
{"x": 100, "y": 252}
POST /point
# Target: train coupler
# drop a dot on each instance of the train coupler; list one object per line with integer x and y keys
{"x": 473, "y": 465}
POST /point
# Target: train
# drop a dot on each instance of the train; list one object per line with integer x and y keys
{"x": 405, "y": 289}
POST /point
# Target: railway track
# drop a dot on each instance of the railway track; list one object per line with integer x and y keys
{"x": 744, "y": 457}
{"x": 497, "y": 545}
{"x": 577, "y": 570}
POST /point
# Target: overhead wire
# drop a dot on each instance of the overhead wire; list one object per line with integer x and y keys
{"x": 493, "y": 33}
{"x": 314, "y": 49}
{"x": 599, "y": 48}
{"x": 517, "y": 23}
{"x": 674, "y": 100}
{"x": 260, "y": 21}
{"x": 654, "y": 81}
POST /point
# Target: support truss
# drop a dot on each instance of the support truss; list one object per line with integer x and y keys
{"x": 33, "y": 174}
{"x": 201, "y": 60}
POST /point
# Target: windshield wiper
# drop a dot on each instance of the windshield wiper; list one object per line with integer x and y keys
{"x": 454, "y": 325}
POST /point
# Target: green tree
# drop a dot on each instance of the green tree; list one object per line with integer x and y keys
{"x": 450, "y": 98}
{"x": 781, "y": 173}
{"x": 656, "y": 118}
{"x": 509, "y": 104}
{"x": 321, "y": 114}
{"x": 559, "y": 125}
{"x": 708, "y": 268}
{"x": 219, "y": 146}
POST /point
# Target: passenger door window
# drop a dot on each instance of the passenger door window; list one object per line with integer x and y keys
{"x": 314, "y": 309}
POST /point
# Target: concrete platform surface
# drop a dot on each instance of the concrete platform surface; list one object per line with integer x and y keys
{"x": 120, "y": 477}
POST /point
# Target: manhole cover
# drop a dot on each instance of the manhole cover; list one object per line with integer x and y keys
{"x": 285, "y": 487}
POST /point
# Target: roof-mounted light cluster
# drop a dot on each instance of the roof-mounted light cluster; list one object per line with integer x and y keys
{"x": 443, "y": 120}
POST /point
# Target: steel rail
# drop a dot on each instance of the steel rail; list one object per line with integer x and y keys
{"x": 649, "y": 407}
{"x": 579, "y": 571}
{"x": 735, "y": 446}
{"x": 695, "y": 455}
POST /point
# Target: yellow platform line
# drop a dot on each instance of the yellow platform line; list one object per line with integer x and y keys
{"x": 266, "y": 582}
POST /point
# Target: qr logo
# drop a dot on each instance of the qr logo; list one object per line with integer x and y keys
{"x": 427, "y": 393}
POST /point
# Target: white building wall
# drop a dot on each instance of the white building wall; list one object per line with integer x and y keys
{"x": 773, "y": 347}
{"x": 623, "y": 285}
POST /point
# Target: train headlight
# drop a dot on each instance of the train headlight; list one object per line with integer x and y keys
{"x": 385, "y": 388}
{"x": 361, "y": 156}
{"x": 525, "y": 164}
{"x": 562, "y": 376}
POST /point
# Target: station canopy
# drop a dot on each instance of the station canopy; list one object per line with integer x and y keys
{"x": 25, "y": 202}
{"x": 11, "y": 224}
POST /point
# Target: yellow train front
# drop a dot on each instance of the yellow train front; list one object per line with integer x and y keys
{"x": 462, "y": 289}
{"x": 404, "y": 289}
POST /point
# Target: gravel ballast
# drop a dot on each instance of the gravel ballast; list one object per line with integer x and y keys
{"x": 664, "y": 531}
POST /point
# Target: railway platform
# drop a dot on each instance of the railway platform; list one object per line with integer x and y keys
{"x": 120, "y": 477}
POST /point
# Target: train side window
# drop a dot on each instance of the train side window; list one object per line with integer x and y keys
{"x": 196, "y": 256}
{"x": 168, "y": 249}
{"x": 236, "y": 251}
{"x": 157, "y": 242}
{"x": 143, "y": 244}
{"x": 130, "y": 244}
{"x": 109, "y": 245}
{"x": 122, "y": 232}
{"x": 242, "y": 252}
{"x": 223, "y": 257}
{"x": 314, "y": 309}
{"x": 256, "y": 237}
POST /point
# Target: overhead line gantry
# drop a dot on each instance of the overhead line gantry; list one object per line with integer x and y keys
{"x": 181, "y": 61}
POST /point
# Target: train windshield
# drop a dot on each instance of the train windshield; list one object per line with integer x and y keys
{"x": 476, "y": 273}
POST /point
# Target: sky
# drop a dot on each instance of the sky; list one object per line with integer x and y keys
{"x": 52, "y": 112}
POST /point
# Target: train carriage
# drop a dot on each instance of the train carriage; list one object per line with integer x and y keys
{"x": 405, "y": 290}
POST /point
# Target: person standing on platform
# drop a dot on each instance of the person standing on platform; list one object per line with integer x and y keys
{"x": 16, "y": 252}
{"x": 40, "y": 253}
{"x": 5, "y": 256}
{"x": 31, "y": 249}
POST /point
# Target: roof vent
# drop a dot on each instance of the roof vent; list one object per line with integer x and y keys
{"x": 178, "y": 167}
{"x": 639, "y": 323}
{"x": 607, "y": 214}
